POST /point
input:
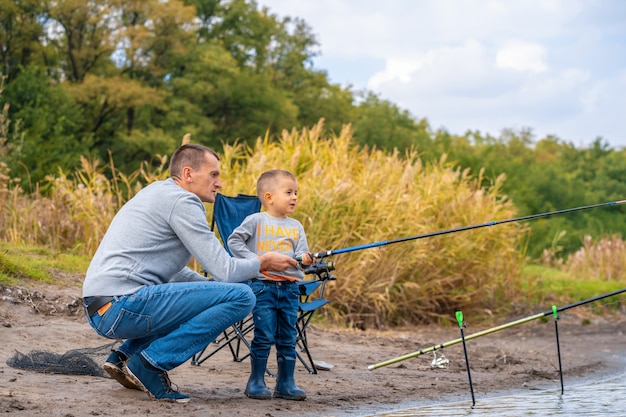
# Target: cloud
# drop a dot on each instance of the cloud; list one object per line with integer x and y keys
{"x": 522, "y": 56}
{"x": 400, "y": 69}
{"x": 462, "y": 70}
{"x": 555, "y": 66}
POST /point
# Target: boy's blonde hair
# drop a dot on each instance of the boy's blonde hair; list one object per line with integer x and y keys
{"x": 266, "y": 180}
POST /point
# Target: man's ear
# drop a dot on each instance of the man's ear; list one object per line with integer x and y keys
{"x": 186, "y": 174}
{"x": 267, "y": 197}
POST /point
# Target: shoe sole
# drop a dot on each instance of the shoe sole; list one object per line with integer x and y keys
{"x": 259, "y": 397}
{"x": 284, "y": 397}
{"x": 143, "y": 388}
{"x": 119, "y": 375}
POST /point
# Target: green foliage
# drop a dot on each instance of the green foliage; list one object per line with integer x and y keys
{"x": 205, "y": 70}
{"x": 21, "y": 31}
{"x": 248, "y": 107}
{"x": 46, "y": 121}
{"x": 317, "y": 100}
{"x": 28, "y": 262}
{"x": 152, "y": 71}
{"x": 16, "y": 266}
{"x": 544, "y": 286}
{"x": 83, "y": 37}
{"x": 383, "y": 125}
{"x": 548, "y": 176}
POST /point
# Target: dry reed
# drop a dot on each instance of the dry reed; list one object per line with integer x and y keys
{"x": 351, "y": 196}
{"x": 348, "y": 196}
{"x": 604, "y": 260}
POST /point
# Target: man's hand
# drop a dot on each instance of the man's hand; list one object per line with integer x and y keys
{"x": 274, "y": 261}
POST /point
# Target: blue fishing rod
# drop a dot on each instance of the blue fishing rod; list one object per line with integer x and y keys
{"x": 324, "y": 254}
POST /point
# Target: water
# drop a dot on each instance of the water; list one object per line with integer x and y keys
{"x": 598, "y": 398}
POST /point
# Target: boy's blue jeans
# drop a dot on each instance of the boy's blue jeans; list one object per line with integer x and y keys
{"x": 169, "y": 323}
{"x": 275, "y": 315}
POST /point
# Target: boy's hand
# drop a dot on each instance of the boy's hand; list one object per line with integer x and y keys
{"x": 306, "y": 259}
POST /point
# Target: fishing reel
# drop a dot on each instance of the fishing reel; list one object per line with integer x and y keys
{"x": 440, "y": 362}
{"x": 321, "y": 269}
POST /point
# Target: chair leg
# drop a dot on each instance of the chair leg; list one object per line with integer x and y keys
{"x": 304, "y": 347}
{"x": 234, "y": 337}
{"x": 301, "y": 342}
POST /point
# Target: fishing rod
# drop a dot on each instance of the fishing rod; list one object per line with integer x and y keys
{"x": 491, "y": 330}
{"x": 459, "y": 229}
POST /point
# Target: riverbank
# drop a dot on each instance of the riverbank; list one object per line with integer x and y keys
{"x": 522, "y": 358}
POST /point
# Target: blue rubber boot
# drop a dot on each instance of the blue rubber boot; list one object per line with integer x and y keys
{"x": 285, "y": 384}
{"x": 256, "y": 387}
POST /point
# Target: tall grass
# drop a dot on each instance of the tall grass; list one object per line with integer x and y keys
{"x": 348, "y": 196}
{"x": 351, "y": 196}
{"x": 604, "y": 260}
{"x": 75, "y": 210}
{"x": 600, "y": 260}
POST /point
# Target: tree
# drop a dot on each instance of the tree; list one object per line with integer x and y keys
{"x": 118, "y": 58}
{"x": 245, "y": 106}
{"x": 281, "y": 51}
{"x": 49, "y": 121}
{"x": 384, "y": 125}
{"x": 83, "y": 34}
{"x": 20, "y": 31}
{"x": 289, "y": 64}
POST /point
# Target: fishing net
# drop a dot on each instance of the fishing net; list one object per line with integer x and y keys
{"x": 85, "y": 361}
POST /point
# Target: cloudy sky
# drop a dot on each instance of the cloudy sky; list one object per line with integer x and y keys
{"x": 557, "y": 67}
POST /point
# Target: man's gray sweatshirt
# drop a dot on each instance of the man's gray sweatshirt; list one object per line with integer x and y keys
{"x": 151, "y": 240}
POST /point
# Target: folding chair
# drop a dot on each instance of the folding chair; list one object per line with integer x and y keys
{"x": 228, "y": 213}
{"x": 310, "y": 302}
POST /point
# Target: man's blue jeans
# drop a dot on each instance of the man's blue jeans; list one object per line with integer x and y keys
{"x": 275, "y": 315}
{"x": 169, "y": 323}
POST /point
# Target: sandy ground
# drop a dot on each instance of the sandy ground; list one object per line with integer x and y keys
{"x": 518, "y": 359}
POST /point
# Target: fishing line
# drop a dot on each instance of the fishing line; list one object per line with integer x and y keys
{"x": 323, "y": 254}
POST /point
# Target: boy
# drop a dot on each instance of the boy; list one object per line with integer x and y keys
{"x": 277, "y": 293}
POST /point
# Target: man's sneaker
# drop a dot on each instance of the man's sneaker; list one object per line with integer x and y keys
{"x": 152, "y": 381}
{"x": 114, "y": 366}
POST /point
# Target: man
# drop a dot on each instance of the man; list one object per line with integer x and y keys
{"x": 138, "y": 286}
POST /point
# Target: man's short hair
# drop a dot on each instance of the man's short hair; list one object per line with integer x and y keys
{"x": 189, "y": 155}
